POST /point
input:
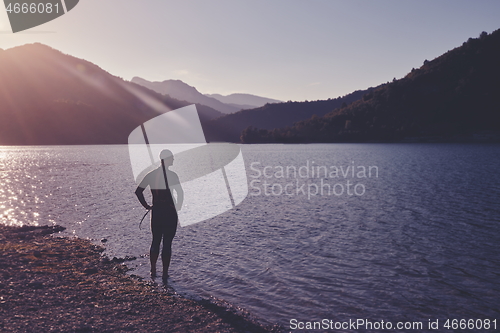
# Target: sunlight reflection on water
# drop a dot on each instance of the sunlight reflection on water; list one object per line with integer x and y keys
{"x": 28, "y": 176}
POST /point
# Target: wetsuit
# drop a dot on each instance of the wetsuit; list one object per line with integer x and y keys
{"x": 164, "y": 214}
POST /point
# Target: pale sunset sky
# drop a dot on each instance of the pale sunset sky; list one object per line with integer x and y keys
{"x": 284, "y": 49}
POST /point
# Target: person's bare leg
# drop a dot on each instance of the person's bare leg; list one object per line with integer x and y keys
{"x": 153, "y": 258}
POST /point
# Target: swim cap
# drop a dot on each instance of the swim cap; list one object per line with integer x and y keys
{"x": 165, "y": 153}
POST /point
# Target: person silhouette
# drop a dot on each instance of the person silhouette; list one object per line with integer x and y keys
{"x": 162, "y": 182}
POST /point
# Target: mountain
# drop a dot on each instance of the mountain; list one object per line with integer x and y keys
{"x": 224, "y": 104}
{"x": 47, "y": 97}
{"x": 182, "y": 91}
{"x": 244, "y": 101}
{"x": 270, "y": 116}
{"x": 453, "y": 98}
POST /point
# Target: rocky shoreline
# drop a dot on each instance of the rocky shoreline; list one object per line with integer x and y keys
{"x": 56, "y": 284}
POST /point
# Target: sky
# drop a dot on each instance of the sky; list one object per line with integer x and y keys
{"x": 284, "y": 49}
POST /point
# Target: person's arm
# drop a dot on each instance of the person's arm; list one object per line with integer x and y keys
{"x": 180, "y": 196}
{"x": 141, "y": 198}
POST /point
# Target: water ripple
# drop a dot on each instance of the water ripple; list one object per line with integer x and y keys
{"x": 422, "y": 242}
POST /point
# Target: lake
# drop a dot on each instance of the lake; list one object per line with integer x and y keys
{"x": 392, "y": 232}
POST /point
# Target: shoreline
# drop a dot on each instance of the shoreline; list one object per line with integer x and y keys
{"x": 60, "y": 284}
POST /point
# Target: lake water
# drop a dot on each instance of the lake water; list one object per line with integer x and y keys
{"x": 414, "y": 237}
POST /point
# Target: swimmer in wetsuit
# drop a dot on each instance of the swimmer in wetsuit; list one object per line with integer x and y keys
{"x": 162, "y": 183}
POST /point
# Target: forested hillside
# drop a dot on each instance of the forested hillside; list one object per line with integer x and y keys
{"x": 454, "y": 97}
{"x": 275, "y": 115}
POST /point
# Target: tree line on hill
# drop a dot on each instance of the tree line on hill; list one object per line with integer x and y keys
{"x": 273, "y": 115}
{"x": 454, "y": 97}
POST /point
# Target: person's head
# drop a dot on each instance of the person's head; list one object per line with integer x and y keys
{"x": 167, "y": 157}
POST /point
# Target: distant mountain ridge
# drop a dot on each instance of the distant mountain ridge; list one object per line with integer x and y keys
{"x": 247, "y": 100}
{"x": 184, "y": 92}
{"x": 225, "y": 104}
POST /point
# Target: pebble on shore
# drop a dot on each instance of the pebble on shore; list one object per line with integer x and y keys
{"x": 54, "y": 284}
